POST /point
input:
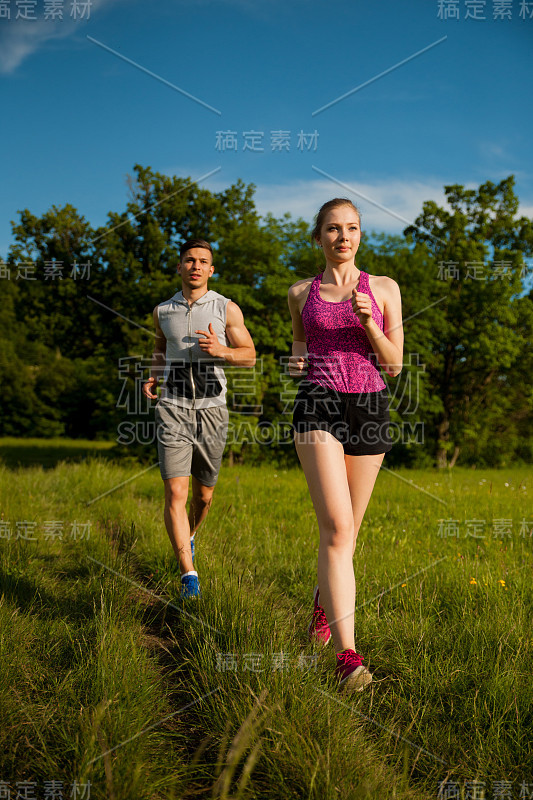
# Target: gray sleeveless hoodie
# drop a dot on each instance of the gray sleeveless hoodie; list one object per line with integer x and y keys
{"x": 192, "y": 378}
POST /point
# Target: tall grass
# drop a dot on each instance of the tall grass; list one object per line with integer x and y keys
{"x": 107, "y": 679}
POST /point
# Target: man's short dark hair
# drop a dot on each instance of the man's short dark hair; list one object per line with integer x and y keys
{"x": 190, "y": 243}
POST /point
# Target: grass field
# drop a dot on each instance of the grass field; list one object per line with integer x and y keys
{"x": 113, "y": 690}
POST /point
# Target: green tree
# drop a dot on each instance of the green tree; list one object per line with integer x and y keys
{"x": 73, "y": 350}
{"x": 476, "y": 341}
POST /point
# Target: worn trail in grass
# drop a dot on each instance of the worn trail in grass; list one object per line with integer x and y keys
{"x": 104, "y": 681}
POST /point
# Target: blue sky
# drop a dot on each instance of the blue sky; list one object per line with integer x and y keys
{"x": 77, "y": 116}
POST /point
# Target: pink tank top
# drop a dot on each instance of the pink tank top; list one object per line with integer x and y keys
{"x": 340, "y": 355}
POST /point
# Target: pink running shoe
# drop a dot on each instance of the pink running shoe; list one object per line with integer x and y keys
{"x": 319, "y": 629}
{"x": 352, "y": 675}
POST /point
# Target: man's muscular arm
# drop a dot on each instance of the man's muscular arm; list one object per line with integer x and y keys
{"x": 242, "y": 350}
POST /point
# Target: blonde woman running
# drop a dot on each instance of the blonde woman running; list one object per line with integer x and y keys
{"x": 346, "y": 326}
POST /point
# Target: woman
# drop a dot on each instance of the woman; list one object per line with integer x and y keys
{"x": 346, "y": 324}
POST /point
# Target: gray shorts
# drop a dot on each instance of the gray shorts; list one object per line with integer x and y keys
{"x": 190, "y": 442}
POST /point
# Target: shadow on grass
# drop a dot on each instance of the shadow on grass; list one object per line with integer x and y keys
{"x": 47, "y": 453}
{"x": 29, "y": 595}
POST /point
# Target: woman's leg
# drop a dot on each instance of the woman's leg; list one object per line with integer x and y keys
{"x": 322, "y": 460}
{"x": 361, "y": 472}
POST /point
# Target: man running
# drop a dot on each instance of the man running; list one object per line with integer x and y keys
{"x": 198, "y": 331}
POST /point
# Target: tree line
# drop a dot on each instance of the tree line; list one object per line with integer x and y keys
{"x": 76, "y": 324}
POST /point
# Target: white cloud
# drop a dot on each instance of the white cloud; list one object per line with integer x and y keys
{"x": 492, "y": 150}
{"x": 525, "y": 211}
{"x": 399, "y": 198}
{"x": 19, "y": 38}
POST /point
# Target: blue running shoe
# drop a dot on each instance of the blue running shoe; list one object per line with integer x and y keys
{"x": 189, "y": 587}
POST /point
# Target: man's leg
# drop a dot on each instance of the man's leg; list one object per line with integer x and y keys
{"x": 211, "y": 431}
{"x": 175, "y": 440}
{"x": 177, "y": 522}
{"x": 202, "y": 497}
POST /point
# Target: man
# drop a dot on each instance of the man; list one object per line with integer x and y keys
{"x": 198, "y": 331}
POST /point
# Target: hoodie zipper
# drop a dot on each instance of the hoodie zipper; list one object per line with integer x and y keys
{"x": 190, "y": 359}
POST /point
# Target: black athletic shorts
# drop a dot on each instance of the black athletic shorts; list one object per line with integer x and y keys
{"x": 358, "y": 420}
